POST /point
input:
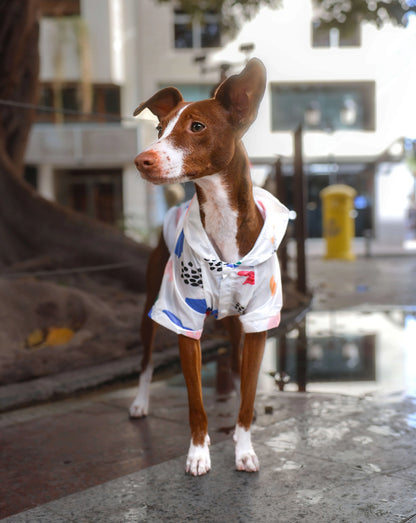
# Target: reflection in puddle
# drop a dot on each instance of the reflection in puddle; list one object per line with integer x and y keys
{"x": 354, "y": 351}
{"x": 347, "y": 351}
{"x": 410, "y": 354}
{"x": 411, "y": 420}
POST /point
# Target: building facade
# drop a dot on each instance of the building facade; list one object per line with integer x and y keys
{"x": 81, "y": 151}
{"x": 352, "y": 94}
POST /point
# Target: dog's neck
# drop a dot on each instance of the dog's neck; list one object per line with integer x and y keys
{"x": 228, "y": 211}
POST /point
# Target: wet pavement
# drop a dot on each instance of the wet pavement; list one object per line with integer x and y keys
{"x": 324, "y": 458}
{"x": 345, "y": 450}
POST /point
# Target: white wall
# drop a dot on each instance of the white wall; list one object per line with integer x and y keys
{"x": 161, "y": 62}
{"x": 59, "y": 56}
{"x": 87, "y": 47}
{"x": 282, "y": 39}
{"x": 393, "y": 186}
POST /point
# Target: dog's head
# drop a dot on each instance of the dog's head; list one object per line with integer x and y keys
{"x": 196, "y": 139}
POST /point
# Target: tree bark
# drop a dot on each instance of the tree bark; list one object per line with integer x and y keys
{"x": 30, "y": 226}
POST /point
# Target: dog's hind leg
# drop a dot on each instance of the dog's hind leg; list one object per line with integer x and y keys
{"x": 154, "y": 275}
{"x": 235, "y": 332}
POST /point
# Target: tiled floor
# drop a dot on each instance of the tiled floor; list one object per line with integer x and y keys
{"x": 323, "y": 458}
{"x": 57, "y": 449}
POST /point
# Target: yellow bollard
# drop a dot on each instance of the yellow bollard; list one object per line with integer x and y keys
{"x": 337, "y": 221}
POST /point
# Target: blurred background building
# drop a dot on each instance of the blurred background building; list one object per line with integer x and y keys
{"x": 352, "y": 92}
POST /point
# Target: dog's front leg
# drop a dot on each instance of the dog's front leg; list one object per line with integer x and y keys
{"x": 245, "y": 457}
{"x": 198, "y": 461}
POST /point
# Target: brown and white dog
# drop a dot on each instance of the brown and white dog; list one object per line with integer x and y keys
{"x": 223, "y": 248}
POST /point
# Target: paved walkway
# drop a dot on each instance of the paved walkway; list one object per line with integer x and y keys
{"x": 338, "y": 457}
{"x": 323, "y": 458}
{"x": 379, "y": 280}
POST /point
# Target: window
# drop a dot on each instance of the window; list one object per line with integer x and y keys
{"x": 55, "y": 8}
{"x": 68, "y": 97}
{"x": 325, "y": 107}
{"x": 106, "y": 100}
{"x": 323, "y": 36}
{"x": 192, "y": 92}
{"x": 31, "y": 175}
{"x": 97, "y": 193}
{"x": 196, "y": 33}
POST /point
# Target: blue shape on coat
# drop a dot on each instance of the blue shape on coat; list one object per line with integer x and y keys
{"x": 179, "y": 244}
{"x": 174, "y": 319}
{"x": 197, "y": 305}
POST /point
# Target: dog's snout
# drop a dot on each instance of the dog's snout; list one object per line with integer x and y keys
{"x": 145, "y": 161}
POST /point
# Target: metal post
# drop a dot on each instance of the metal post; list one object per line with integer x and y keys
{"x": 301, "y": 356}
{"x": 281, "y": 194}
{"x": 282, "y": 358}
{"x": 299, "y": 195}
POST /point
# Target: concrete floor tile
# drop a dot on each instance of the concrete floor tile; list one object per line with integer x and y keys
{"x": 313, "y": 468}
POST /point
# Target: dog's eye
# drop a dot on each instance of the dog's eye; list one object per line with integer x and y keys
{"x": 196, "y": 127}
{"x": 159, "y": 129}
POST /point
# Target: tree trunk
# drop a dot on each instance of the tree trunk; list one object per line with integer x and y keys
{"x": 30, "y": 226}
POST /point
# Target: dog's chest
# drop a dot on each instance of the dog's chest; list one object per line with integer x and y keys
{"x": 220, "y": 219}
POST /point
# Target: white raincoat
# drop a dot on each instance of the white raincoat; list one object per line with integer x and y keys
{"x": 197, "y": 283}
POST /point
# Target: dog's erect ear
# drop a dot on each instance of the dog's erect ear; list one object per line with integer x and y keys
{"x": 162, "y": 102}
{"x": 241, "y": 94}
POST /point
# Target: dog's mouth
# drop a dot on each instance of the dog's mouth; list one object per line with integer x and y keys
{"x": 165, "y": 179}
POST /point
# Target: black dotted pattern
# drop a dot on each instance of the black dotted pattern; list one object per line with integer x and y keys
{"x": 239, "y": 308}
{"x": 190, "y": 275}
{"x": 214, "y": 265}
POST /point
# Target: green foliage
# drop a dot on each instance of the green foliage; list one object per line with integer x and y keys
{"x": 330, "y": 13}
{"x": 347, "y": 13}
{"x": 248, "y": 7}
{"x": 233, "y": 12}
{"x": 411, "y": 157}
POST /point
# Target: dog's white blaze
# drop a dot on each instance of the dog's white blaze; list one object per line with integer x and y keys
{"x": 171, "y": 156}
{"x": 171, "y": 124}
{"x": 220, "y": 217}
{"x": 245, "y": 457}
{"x": 198, "y": 461}
{"x": 171, "y": 160}
{"x": 140, "y": 405}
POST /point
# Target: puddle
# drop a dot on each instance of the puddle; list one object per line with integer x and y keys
{"x": 346, "y": 351}
{"x": 354, "y": 351}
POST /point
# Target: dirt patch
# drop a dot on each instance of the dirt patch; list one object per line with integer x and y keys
{"x": 54, "y": 326}
{"x": 64, "y": 323}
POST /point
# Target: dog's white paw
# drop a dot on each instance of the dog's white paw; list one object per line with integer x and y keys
{"x": 247, "y": 462}
{"x": 140, "y": 406}
{"x": 245, "y": 457}
{"x": 198, "y": 461}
